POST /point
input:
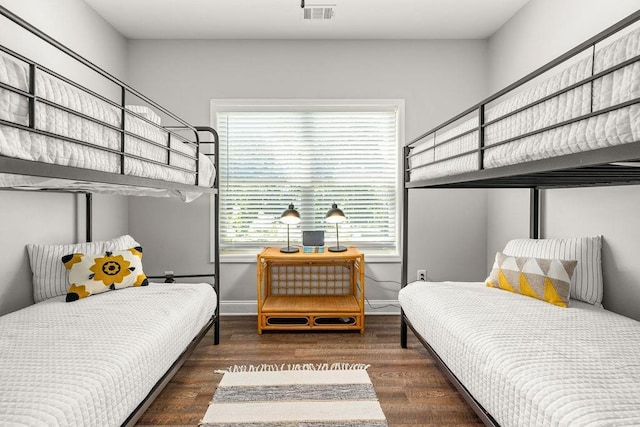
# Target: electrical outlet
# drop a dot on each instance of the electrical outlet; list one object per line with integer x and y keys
{"x": 421, "y": 275}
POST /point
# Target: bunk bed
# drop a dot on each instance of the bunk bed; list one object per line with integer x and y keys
{"x": 515, "y": 359}
{"x": 103, "y": 359}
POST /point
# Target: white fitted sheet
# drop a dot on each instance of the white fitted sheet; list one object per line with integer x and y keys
{"x": 605, "y": 130}
{"x": 530, "y": 363}
{"x": 91, "y": 362}
{"x": 32, "y": 146}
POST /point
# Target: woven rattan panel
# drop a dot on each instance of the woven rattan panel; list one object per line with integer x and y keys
{"x": 333, "y": 279}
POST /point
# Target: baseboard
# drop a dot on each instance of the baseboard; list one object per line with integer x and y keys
{"x": 249, "y": 308}
{"x": 382, "y": 307}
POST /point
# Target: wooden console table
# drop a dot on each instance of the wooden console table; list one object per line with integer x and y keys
{"x": 310, "y": 291}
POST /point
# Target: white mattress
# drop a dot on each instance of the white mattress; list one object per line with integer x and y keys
{"x": 427, "y": 152}
{"x": 31, "y": 146}
{"x": 34, "y": 183}
{"x": 530, "y": 363}
{"x": 605, "y": 130}
{"x": 91, "y": 362}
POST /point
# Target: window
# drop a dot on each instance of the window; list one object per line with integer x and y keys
{"x": 312, "y": 154}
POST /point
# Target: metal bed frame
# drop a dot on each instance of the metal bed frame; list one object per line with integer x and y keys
{"x": 580, "y": 169}
{"x": 33, "y": 168}
{"x": 617, "y": 165}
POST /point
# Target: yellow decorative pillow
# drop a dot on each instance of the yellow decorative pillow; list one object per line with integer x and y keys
{"x": 544, "y": 279}
{"x": 94, "y": 274}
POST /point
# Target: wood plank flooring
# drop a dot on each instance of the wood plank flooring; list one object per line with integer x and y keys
{"x": 411, "y": 389}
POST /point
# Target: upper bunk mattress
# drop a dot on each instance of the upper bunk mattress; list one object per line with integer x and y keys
{"x": 92, "y": 361}
{"x": 530, "y": 363}
{"x": 607, "y": 129}
{"x": 27, "y": 145}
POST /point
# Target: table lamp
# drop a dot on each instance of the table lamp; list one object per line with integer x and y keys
{"x": 290, "y": 217}
{"x": 335, "y": 216}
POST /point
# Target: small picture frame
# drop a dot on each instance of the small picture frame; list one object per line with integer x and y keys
{"x": 313, "y": 238}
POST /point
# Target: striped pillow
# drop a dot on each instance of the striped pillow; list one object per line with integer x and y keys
{"x": 587, "y": 283}
{"x": 50, "y": 274}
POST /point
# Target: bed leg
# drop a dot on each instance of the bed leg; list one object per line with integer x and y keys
{"x": 403, "y": 332}
{"x": 216, "y": 331}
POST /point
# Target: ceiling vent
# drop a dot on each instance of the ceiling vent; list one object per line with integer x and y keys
{"x": 319, "y": 12}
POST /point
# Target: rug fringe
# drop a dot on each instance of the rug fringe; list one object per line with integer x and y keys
{"x": 294, "y": 367}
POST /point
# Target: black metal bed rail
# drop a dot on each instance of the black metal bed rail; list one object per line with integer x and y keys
{"x": 82, "y": 88}
{"x": 97, "y": 121}
{"x": 216, "y": 144}
{"x": 590, "y": 43}
{"x": 483, "y": 148}
{"x": 566, "y": 89}
{"x": 33, "y": 98}
{"x": 37, "y": 32}
{"x": 93, "y": 146}
{"x": 479, "y": 109}
{"x": 484, "y": 125}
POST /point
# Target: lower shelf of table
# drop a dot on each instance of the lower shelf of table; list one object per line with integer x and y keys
{"x": 311, "y": 312}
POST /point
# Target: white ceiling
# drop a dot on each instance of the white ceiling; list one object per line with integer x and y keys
{"x": 282, "y": 19}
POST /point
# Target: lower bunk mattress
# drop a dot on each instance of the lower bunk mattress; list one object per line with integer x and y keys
{"x": 530, "y": 363}
{"x": 91, "y": 362}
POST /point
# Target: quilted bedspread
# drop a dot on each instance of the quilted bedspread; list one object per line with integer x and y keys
{"x": 91, "y": 362}
{"x": 33, "y": 146}
{"x": 530, "y": 363}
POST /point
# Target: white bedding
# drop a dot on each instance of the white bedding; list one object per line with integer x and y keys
{"x": 609, "y": 129}
{"x": 527, "y": 362}
{"x": 91, "y": 362}
{"x": 31, "y": 146}
{"x": 34, "y": 183}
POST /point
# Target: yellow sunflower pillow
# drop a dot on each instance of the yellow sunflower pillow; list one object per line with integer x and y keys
{"x": 94, "y": 274}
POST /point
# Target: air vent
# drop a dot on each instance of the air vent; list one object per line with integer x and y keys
{"x": 319, "y": 12}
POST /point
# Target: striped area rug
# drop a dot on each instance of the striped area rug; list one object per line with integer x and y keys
{"x": 306, "y": 395}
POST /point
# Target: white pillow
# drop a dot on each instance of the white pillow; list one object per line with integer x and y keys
{"x": 50, "y": 274}
{"x": 586, "y": 284}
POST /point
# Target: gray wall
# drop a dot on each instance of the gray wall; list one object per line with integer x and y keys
{"x": 436, "y": 78}
{"x": 454, "y": 234}
{"x": 55, "y": 218}
{"x": 539, "y": 32}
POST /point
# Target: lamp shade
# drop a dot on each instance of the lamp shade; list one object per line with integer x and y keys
{"x": 290, "y": 216}
{"x": 335, "y": 215}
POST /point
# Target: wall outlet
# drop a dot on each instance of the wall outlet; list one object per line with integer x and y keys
{"x": 421, "y": 275}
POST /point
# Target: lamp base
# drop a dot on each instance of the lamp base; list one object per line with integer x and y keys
{"x": 290, "y": 250}
{"x": 337, "y": 248}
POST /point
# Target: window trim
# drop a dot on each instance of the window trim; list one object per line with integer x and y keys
{"x": 238, "y": 105}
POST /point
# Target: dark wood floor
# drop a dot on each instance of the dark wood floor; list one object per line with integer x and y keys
{"x": 411, "y": 389}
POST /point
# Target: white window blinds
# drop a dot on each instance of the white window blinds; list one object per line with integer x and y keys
{"x": 311, "y": 159}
